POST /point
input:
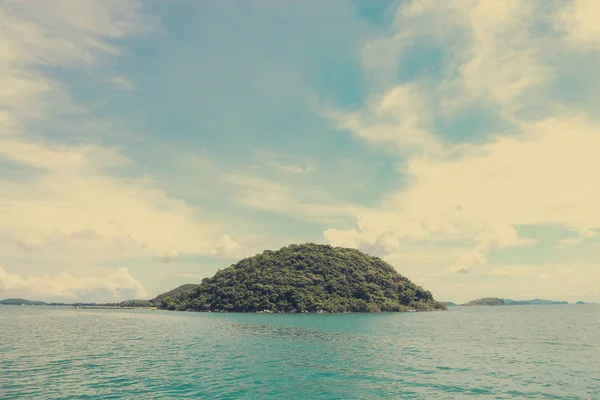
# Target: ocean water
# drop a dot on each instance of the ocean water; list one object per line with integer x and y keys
{"x": 516, "y": 352}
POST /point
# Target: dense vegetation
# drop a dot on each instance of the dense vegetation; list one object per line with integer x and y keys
{"x": 303, "y": 278}
{"x": 176, "y": 298}
{"x": 135, "y": 303}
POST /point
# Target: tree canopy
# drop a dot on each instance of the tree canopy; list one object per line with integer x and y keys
{"x": 303, "y": 278}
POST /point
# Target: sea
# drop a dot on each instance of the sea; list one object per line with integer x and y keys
{"x": 510, "y": 352}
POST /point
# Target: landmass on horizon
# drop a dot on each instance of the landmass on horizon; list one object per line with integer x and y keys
{"x": 299, "y": 278}
{"x": 303, "y": 278}
{"x": 496, "y": 301}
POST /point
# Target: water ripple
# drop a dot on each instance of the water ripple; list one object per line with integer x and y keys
{"x": 508, "y": 352}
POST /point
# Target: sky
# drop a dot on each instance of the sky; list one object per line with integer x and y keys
{"x": 147, "y": 144}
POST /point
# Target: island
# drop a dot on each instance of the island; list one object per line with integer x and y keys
{"x": 175, "y": 296}
{"x": 541, "y": 302}
{"x": 22, "y": 302}
{"x": 127, "y": 304}
{"x": 307, "y": 278}
{"x": 485, "y": 301}
{"x": 495, "y": 301}
{"x": 450, "y": 304}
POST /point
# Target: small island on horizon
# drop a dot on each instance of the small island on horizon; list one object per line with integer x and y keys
{"x": 496, "y": 301}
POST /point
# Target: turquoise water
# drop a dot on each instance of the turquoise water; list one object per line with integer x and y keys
{"x": 540, "y": 352}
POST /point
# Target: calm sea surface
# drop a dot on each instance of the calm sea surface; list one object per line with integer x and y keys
{"x": 539, "y": 352}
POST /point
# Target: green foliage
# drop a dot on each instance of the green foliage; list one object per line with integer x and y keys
{"x": 175, "y": 297}
{"x": 303, "y": 278}
{"x": 136, "y": 303}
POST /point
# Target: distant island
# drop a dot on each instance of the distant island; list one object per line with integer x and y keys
{"x": 546, "y": 302}
{"x": 510, "y": 302}
{"x": 22, "y": 302}
{"x": 486, "y": 301}
{"x": 303, "y": 278}
{"x": 123, "y": 304}
{"x": 450, "y": 304}
{"x": 495, "y": 301}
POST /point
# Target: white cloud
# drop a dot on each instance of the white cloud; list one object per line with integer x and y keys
{"x": 61, "y": 33}
{"x": 539, "y": 172}
{"x": 120, "y": 83}
{"x": 399, "y": 116}
{"x": 302, "y": 202}
{"x": 482, "y": 196}
{"x": 570, "y": 241}
{"x": 118, "y": 285}
{"x": 583, "y": 234}
{"x": 228, "y": 246}
{"x": 492, "y": 55}
{"x": 581, "y": 21}
{"x": 587, "y": 233}
{"x": 76, "y": 205}
{"x": 502, "y": 61}
{"x": 73, "y": 196}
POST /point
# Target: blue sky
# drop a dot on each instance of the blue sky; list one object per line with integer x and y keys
{"x": 146, "y": 144}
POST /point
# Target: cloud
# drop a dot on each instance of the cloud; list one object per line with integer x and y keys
{"x": 224, "y": 246}
{"x": 302, "y": 202}
{"x": 570, "y": 241}
{"x": 487, "y": 49}
{"x": 87, "y": 202}
{"x": 535, "y": 168}
{"x": 398, "y": 117}
{"x": 120, "y": 83}
{"x": 483, "y": 196}
{"x": 466, "y": 97}
{"x": 118, "y": 285}
{"x": 588, "y": 233}
{"x": 583, "y": 234}
{"x": 228, "y": 245}
{"x": 579, "y": 20}
{"x": 62, "y": 34}
{"x": 73, "y": 195}
{"x": 85, "y": 234}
